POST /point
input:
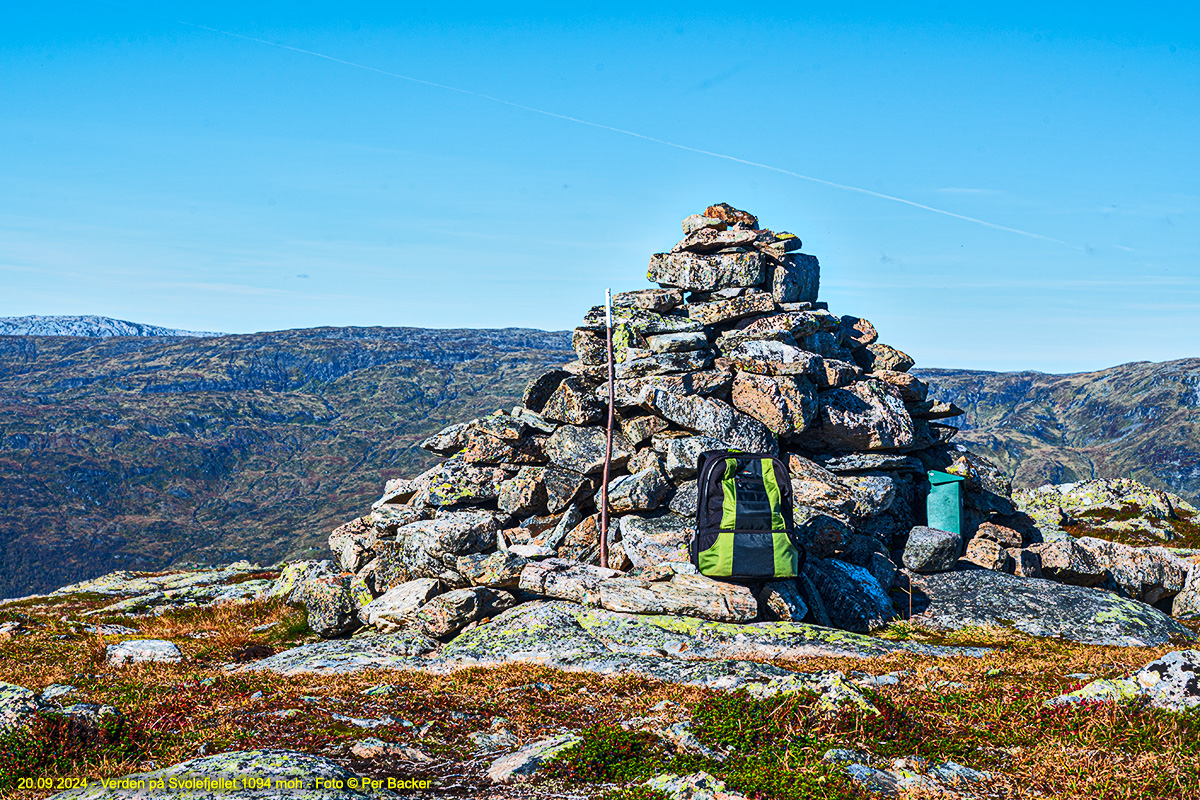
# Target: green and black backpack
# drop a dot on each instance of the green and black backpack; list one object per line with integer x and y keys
{"x": 744, "y": 527}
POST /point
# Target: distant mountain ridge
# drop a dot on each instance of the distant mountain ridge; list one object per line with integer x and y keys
{"x": 87, "y": 325}
{"x": 142, "y": 452}
{"x": 1138, "y": 420}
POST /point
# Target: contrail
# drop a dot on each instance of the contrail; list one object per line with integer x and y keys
{"x": 622, "y": 131}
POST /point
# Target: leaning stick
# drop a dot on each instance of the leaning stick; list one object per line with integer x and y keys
{"x": 608, "y": 439}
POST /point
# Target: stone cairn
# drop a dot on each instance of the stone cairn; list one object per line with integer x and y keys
{"x": 733, "y": 350}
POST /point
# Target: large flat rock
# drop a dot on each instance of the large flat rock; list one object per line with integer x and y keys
{"x": 955, "y": 600}
{"x": 576, "y": 638}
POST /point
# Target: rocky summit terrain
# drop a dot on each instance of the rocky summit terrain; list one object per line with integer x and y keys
{"x": 143, "y": 452}
{"x": 460, "y": 637}
{"x": 1138, "y": 420}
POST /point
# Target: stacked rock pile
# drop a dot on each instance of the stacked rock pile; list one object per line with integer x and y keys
{"x": 732, "y": 350}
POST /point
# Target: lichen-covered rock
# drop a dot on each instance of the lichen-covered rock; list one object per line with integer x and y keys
{"x": 987, "y": 554}
{"x": 1171, "y": 682}
{"x": 643, "y": 322}
{"x": 397, "y": 607}
{"x": 500, "y": 570}
{"x": 852, "y": 596}
{"x": 17, "y": 705}
{"x": 581, "y": 450}
{"x": 954, "y": 600}
{"x": 684, "y": 595}
{"x": 333, "y": 603}
{"x": 868, "y": 415}
{"x": 445, "y": 442}
{"x": 821, "y": 534}
{"x": 1121, "y": 505}
{"x": 562, "y": 579}
{"x": 786, "y": 404}
{"x": 682, "y": 454}
{"x": 857, "y": 332}
{"x": 520, "y": 766}
{"x": 931, "y": 549}
{"x": 697, "y": 786}
{"x": 651, "y": 539}
{"x": 524, "y": 494}
{"x": 796, "y": 278}
{"x": 878, "y": 356}
{"x": 449, "y": 613}
{"x": 706, "y": 239}
{"x": 712, "y": 417}
{"x": 573, "y": 402}
{"x": 645, "y": 363}
{"x": 138, "y": 651}
{"x": 767, "y": 357}
{"x": 1004, "y": 536}
{"x": 430, "y": 548}
{"x": 456, "y": 481}
{"x": 293, "y": 576}
{"x": 710, "y": 383}
{"x": 814, "y": 487}
{"x": 1066, "y": 562}
{"x": 717, "y": 312}
{"x": 251, "y": 774}
{"x": 677, "y": 342}
{"x": 483, "y": 448}
{"x": 659, "y": 300}
{"x": 642, "y": 491}
{"x": 1148, "y": 574}
{"x": 706, "y": 273}
{"x": 563, "y": 486}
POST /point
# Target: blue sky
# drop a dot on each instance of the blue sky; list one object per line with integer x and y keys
{"x": 157, "y": 171}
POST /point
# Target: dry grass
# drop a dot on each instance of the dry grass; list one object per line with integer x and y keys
{"x": 982, "y": 712}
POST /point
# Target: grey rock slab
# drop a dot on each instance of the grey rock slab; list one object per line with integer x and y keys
{"x": 1066, "y": 561}
{"x": 573, "y": 402}
{"x": 649, "y": 299}
{"x": 651, "y": 539}
{"x": 867, "y": 415}
{"x": 766, "y": 357}
{"x": 251, "y": 774}
{"x": 540, "y": 388}
{"x": 644, "y": 364}
{"x": 563, "y": 579}
{"x": 643, "y": 322}
{"x": 142, "y": 650}
{"x": 718, "y": 312}
{"x": 931, "y": 549}
{"x": 577, "y": 638}
{"x": 710, "y": 383}
{"x": 1148, "y": 574}
{"x": 707, "y": 273}
{"x": 581, "y": 449}
{"x": 382, "y": 651}
{"x": 449, "y": 613}
{"x": 697, "y": 786}
{"x": 684, "y": 595}
{"x": 521, "y": 765}
{"x": 643, "y": 491}
{"x": 397, "y": 607}
{"x": 954, "y": 600}
{"x": 712, "y": 417}
{"x": 852, "y": 596}
{"x": 795, "y": 279}
{"x": 429, "y": 548}
{"x": 677, "y": 342}
{"x": 682, "y": 453}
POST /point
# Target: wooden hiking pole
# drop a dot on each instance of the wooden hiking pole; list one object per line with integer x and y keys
{"x": 608, "y": 439}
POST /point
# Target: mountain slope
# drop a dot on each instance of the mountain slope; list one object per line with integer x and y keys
{"x": 139, "y": 453}
{"x": 86, "y": 326}
{"x": 1139, "y": 420}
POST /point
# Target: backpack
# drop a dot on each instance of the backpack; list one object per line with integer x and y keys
{"x": 744, "y": 527}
